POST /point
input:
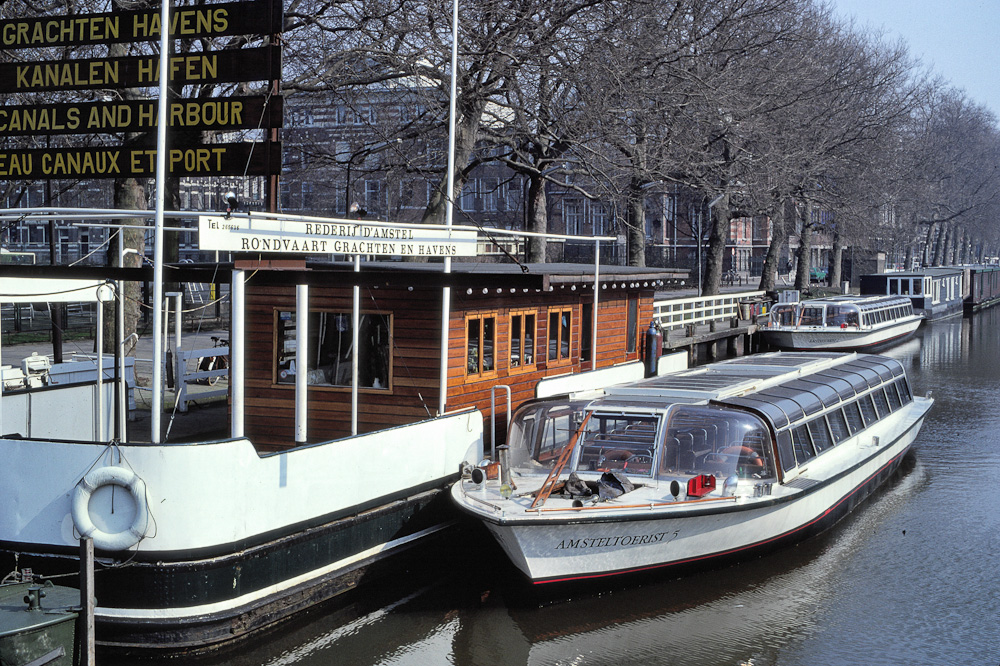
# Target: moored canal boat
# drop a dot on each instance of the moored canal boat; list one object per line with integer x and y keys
{"x": 841, "y": 323}
{"x": 336, "y": 461}
{"x": 935, "y": 292}
{"x": 713, "y": 462}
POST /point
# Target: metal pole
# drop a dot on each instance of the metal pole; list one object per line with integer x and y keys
{"x": 120, "y": 344}
{"x": 161, "y": 177}
{"x": 356, "y": 324}
{"x": 301, "y": 362}
{"x": 237, "y": 351}
{"x": 99, "y": 342}
{"x": 449, "y": 210}
{"x": 597, "y": 288}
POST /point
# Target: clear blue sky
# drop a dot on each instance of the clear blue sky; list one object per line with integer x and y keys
{"x": 958, "y": 39}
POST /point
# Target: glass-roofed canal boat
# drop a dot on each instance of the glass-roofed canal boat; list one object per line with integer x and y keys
{"x": 713, "y": 462}
{"x": 841, "y": 323}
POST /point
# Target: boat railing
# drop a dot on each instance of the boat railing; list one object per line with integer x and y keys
{"x": 681, "y": 312}
{"x": 199, "y": 375}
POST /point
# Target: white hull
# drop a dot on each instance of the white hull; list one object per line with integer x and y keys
{"x": 571, "y": 545}
{"x": 217, "y": 507}
{"x": 822, "y": 338}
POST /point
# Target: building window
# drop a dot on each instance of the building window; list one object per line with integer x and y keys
{"x": 330, "y": 341}
{"x": 522, "y": 339}
{"x": 480, "y": 344}
{"x": 490, "y": 188}
{"x": 573, "y": 216}
{"x": 469, "y": 195}
{"x": 373, "y": 196}
{"x": 560, "y": 330}
{"x": 599, "y": 219}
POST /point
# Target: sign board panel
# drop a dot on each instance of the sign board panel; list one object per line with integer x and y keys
{"x": 256, "y": 64}
{"x": 249, "y": 234}
{"x": 217, "y": 159}
{"x": 210, "y": 20}
{"x": 217, "y": 113}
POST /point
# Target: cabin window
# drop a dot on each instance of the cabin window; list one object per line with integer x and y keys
{"x": 480, "y": 345}
{"x": 904, "y": 391}
{"x": 540, "y": 431}
{"x": 717, "y": 441}
{"x": 867, "y": 409}
{"x": 587, "y": 332}
{"x": 618, "y": 442}
{"x": 783, "y": 315}
{"x": 802, "y": 444}
{"x": 786, "y": 451}
{"x": 522, "y": 340}
{"x": 838, "y": 426}
{"x": 632, "y": 324}
{"x": 893, "y": 395}
{"x": 820, "y": 435}
{"x": 881, "y": 403}
{"x": 811, "y": 316}
{"x": 841, "y": 316}
{"x": 330, "y": 350}
{"x": 560, "y": 328}
{"x": 854, "y": 420}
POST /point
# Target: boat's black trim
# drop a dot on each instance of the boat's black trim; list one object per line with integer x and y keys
{"x": 196, "y": 582}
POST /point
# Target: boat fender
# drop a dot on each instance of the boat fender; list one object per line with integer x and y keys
{"x": 117, "y": 476}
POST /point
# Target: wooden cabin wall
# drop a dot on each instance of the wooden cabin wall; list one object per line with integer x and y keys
{"x": 465, "y": 391}
{"x": 415, "y": 353}
{"x": 270, "y": 418}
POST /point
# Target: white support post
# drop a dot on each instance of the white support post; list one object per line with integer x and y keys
{"x": 301, "y": 362}
{"x": 180, "y": 386}
{"x": 120, "y": 344}
{"x": 356, "y": 323}
{"x": 99, "y": 402}
{"x": 597, "y": 289}
{"x": 237, "y": 352}
{"x": 161, "y": 177}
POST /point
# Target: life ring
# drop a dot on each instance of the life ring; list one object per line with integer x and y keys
{"x": 117, "y": 476}
{"x": 751, "y": 457}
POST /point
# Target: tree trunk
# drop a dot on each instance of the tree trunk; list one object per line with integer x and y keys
{"x": 772, "y": 259}
{"x": 538, "y": 221}
{"x": 716, "y": 257}
{"x": 636, "y": 224}
{"x": 805, "y": 248}
{"x": 129, "y": 194}
{"x": 835, "y": 269}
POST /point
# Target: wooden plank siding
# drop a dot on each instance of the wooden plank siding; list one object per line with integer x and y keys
{"x": 415, "y": 349}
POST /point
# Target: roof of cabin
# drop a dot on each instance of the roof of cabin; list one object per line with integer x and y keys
{"x": 382, "y": 273}
{"x": 783, "y": 385}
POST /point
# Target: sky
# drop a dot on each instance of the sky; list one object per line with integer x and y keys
{"x": 958, "y": 39}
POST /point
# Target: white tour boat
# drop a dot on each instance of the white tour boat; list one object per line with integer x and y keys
{"x": 709, "y": 463}
{"x": 841, "y": 323}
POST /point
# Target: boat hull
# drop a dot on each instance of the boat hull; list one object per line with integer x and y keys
{"x": 237, "y": 541}
{"x": 577, "y": 547}
{"x": 836, "y": 339}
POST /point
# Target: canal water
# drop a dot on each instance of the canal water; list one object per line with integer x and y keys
{"x": 909, "y": 578}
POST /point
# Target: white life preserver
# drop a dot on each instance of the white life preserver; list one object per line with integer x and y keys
{"x": 118, "y": 476}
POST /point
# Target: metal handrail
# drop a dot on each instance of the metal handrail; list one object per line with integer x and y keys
{"x": 680, "y": 312}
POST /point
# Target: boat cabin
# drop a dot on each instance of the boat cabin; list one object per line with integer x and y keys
{"x": 934, "y": 292}
{"x": 841, "y": 312}
{"x": 763, "y": 417}
{"x": 508, "y": 327}
{"x": 983, "y": 287}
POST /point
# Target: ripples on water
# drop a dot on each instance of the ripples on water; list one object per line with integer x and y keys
{"x": 909, "y": 578}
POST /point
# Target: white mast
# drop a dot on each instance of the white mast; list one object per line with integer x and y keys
{"x": 161, "y": 177}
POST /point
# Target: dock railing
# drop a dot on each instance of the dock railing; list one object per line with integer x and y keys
{"x": 681, "y": 312}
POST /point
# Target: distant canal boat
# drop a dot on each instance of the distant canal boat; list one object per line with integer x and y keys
{"x": 983, "y": 287}
{"x": 712, "y": 463}
{"x": 841, "y": 323}
{"x": 936, "y": 293}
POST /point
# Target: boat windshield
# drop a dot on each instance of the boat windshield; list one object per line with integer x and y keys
{"x": 783, "y": 315}
{"x": 608, "y": 442}
{"x": 707, "y": 439}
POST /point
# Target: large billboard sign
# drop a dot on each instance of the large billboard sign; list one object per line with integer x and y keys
{"x": 214, "y": 20}
{"x": 128, "y": 115}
